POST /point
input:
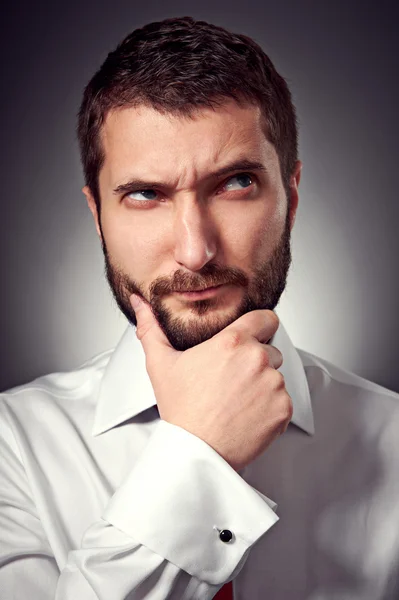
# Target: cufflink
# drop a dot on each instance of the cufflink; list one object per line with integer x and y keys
{"x": 224, "y": 534}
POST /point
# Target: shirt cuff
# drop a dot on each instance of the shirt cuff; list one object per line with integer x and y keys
{"x": 177, "y": 496}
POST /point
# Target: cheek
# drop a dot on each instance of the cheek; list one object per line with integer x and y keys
{"x": 253, "y": 234}
{"x": 132, "y": 244}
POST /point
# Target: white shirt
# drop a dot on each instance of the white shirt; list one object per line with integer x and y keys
{"x": 101, "y": 499}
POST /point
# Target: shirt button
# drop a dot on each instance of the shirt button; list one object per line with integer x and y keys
{"x": 225, "y": 535}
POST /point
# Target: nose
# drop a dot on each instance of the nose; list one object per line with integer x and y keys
{"x": 194, "y": 234}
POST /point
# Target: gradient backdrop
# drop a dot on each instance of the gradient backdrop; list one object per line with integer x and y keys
{"x": 341, "y": 61}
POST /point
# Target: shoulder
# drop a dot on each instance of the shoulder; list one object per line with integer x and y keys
{"x": 345, "y": 387}
{"x": 63, "y": 391}
{"x": 356, "y": 420}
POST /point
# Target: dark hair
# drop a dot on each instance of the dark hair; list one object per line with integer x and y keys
{"x": 178, "y": 66}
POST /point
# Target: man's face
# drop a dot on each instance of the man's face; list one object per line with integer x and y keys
{"x": 187, "y": 228}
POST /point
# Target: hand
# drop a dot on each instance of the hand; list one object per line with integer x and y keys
{"x": 226, "y": 390}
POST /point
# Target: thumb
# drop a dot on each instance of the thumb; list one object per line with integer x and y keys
{"x": 149, "y": 332}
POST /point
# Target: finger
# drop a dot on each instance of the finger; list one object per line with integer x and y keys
{"x": 275, "y": 356}
{"x": 260, "y": 324}
{"x": 154, "y": 341}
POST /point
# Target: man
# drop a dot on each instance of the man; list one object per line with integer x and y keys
{"x": 205, "y": 455}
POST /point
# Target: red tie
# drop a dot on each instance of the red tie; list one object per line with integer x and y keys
{"x": 225, "y": 592}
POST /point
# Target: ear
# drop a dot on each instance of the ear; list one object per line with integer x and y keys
{"x": 294, "y": 194}
{"x": 93, "y": 208}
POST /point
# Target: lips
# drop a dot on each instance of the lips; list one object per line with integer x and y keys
{"x": 202, "y": 294}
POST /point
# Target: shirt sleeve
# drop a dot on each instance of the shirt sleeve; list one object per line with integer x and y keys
{"x": 158, "y": 536}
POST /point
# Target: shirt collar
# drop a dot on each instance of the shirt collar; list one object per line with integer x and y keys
{"x": 126, "y": 389}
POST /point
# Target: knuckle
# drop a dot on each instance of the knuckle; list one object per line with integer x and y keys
{"x": 278, "y": 378}
{"x": 287, "y": 407}
{"x": 260, "y": 358}
{"x": 232, "y": 339}
{"x": 285, "y": 413}
{"x": 142, "y": 330}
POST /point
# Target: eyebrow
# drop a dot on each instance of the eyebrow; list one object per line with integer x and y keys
{"x": 239, "y": 165}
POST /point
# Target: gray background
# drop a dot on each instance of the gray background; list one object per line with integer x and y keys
{"x": 341, "y": 61}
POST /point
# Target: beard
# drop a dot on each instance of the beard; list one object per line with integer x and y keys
{"x": 262, "y": 291}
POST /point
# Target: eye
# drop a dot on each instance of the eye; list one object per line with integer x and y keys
{"x": 148, "y": 195}
{"x": 239, "y": 182}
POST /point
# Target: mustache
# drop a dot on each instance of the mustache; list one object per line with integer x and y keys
{"x": 211, "y": 276}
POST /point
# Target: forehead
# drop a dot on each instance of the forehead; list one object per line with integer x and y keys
{"x": 143, "y": 141}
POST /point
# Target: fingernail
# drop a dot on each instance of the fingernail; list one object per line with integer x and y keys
{"x": 136, "y": 302}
